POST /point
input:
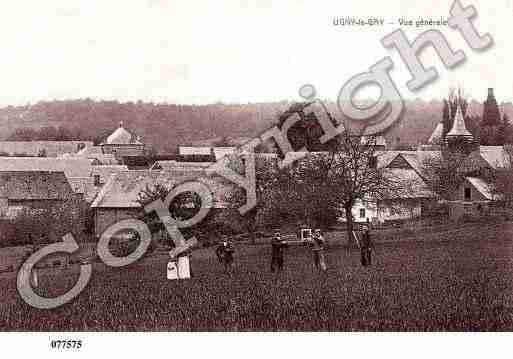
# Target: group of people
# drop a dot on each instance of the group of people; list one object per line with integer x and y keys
{"x": 317, "y": 244}
{"x": 225, "y": 251}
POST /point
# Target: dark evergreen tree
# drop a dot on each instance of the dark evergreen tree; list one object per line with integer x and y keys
{"x": 504, "y": 131}
{"x": 491, "y": 113}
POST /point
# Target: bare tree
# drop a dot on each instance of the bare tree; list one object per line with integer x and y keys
{"x": 331, "y": 183}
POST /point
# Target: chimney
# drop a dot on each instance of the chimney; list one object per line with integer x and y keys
{"x": 490, "y": 92}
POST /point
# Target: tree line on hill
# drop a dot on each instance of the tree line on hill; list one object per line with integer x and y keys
{"x": 166, "y": 126}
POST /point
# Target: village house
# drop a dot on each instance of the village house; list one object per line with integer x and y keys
{"x": 475, "y": 196}
{"x": 46, "y": 198}
{"x": 32, "y": 190}
{"x": 117, "y": 200}
{"x": 404, "y": 168}
{"x": 95, "y": 154}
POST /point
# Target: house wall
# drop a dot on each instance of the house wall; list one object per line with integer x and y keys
{"x": 123, "y": 150}
{"x": 473, "y": 209}
{"x": 105, "y": 217}
{"x": 475, "y": 195}
{"x": 398, "y": 210}
{"x": 385, "y": 211}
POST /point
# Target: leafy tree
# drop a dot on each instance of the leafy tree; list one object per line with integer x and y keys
{"x": 267, "y": 181}
{"x": 183, "y": 206}
{"x": 441, "y": 173}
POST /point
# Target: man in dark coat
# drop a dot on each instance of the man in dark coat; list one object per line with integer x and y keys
{"x": 225, "y": 254}
{"x": 278, "y": 245}
{"x": 366, "y": 247}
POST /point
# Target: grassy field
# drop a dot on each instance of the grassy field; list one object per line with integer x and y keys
{"x": 464, "y": 281}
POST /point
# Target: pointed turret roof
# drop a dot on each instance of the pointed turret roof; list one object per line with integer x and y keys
{"x": 437, "y": 134}
{"x": 458, "y": 127}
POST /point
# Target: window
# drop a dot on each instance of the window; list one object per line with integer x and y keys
{"x": 362, "y": 212}
{"x": 467, "y": 194}
{"x": 96, "y": 180}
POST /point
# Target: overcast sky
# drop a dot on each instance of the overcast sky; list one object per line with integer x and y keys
{"x": 194, "y": 51}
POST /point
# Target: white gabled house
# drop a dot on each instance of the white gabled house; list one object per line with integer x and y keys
{"x": 404, "y": 167}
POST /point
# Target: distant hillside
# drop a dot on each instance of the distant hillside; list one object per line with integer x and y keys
{"x": 166, "y": 126}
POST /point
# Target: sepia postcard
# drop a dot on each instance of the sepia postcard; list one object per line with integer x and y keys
{"x": 178, "y": 171}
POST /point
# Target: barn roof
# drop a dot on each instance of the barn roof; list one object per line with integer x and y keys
{"x": 123, "y": 188}
{"x": 482, "y": 186}
{"x": 105, "y": 171}
{"x": 52, "y": 148}
{"x": 496, "y": 156}
{"x": 437, "y": 134}
{"x": 411, "y": 183}
{"x": 34, "y": 185}
{"x": 72, "y": 167}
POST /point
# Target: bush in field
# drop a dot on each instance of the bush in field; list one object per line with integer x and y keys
{"x": 45, "y": 225}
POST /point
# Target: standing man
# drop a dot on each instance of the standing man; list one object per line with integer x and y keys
{"x": 367, "y": 247}
{"x": 225, "y": 254}
{"x": 278, "y": 245}
{"x": 318, "y": 250}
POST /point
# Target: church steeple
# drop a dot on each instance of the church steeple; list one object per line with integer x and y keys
{"x": 458, "y": 126}
{"x": 459, "y": 139}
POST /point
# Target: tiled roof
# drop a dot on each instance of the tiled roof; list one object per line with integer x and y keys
{"x": 416, "y": 159}
{"x": 410, "y": 182}
{"x": 34, "y": 185}
{"x": 52, "y": 148}
{"x": 91, "y": 150}
{"x": 385, "y": 157}
{"x": 482, "y": 186}
{"x": 220, "y": 152}
{"x": 496, "y": 156}
{"x": 95, "y": 153}
{"x": 70, "y": 166}
{"x": 123, "y": 188}
{"x": 436, "y": 136}
{"x": 105, "y": 171}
